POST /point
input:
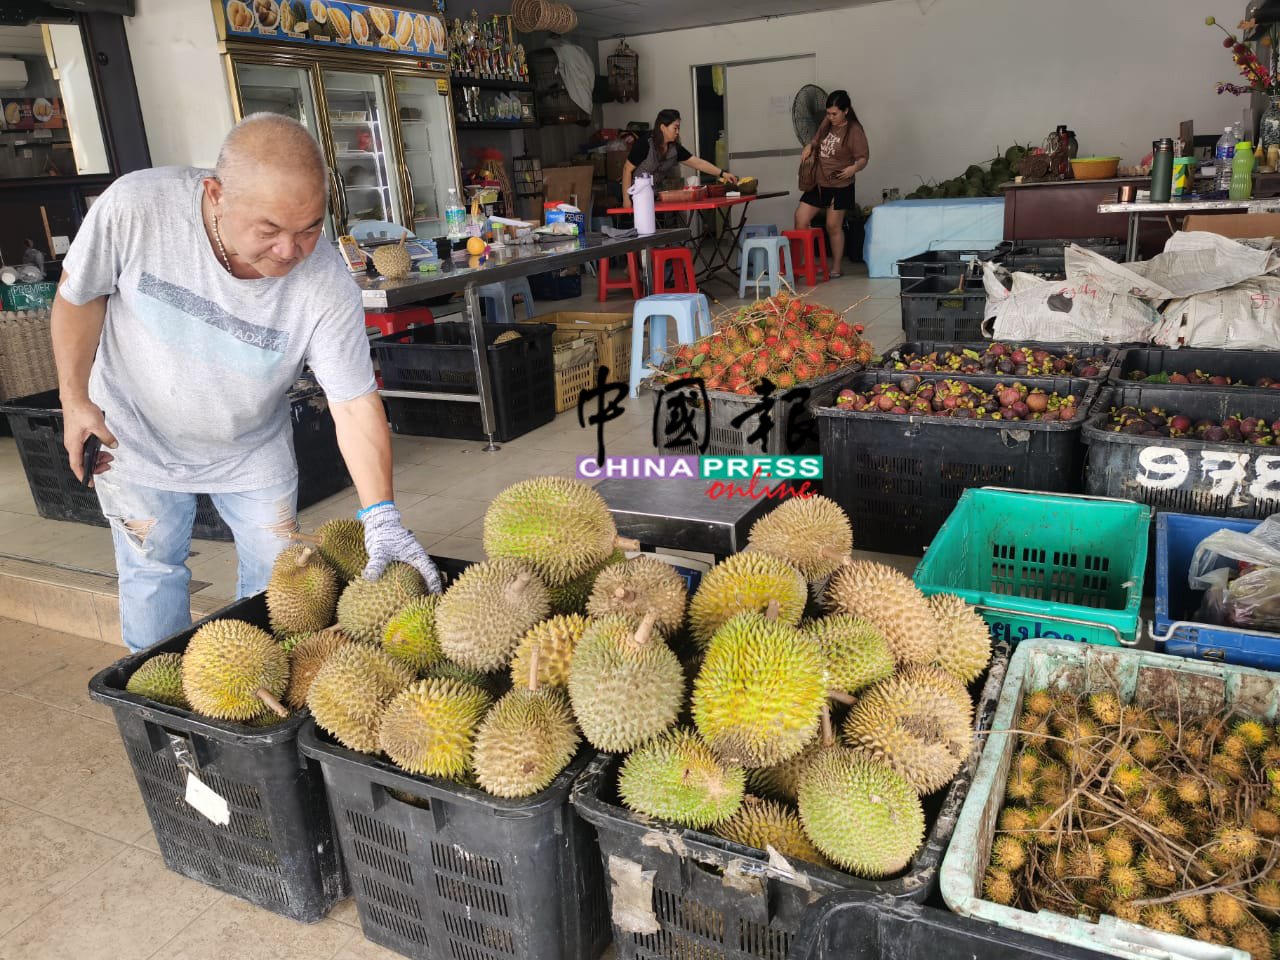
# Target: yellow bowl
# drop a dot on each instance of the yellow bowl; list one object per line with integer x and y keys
{"x": 1094, "y": 168}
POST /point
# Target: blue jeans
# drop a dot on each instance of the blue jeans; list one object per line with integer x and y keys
{"x": 151, "y": 529}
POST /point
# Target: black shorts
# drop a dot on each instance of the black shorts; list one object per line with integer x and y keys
{"x": 823, "y": 197}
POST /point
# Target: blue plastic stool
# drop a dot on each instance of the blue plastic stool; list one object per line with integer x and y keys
{"x": 497, "y": 300}
{"x": 692, "y": 314}
{"x": 776, "y": 250}
{"x": 754, "y": 230}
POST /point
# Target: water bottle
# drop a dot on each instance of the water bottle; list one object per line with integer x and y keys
{"x": 642, "y": 205}
{"x": 1242, "y": 172}
{"x": 454, "y": 216}
{"x": 1223, "y": 154}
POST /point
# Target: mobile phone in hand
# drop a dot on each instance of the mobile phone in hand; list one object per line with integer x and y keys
{"x": 89, "y": 458}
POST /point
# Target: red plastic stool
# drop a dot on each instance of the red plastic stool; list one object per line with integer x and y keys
{"x": 631, "y": 283}
{"x": 388, "y": 322}
{"x": 806, "y": 248}
{"x": 682, "y": 261}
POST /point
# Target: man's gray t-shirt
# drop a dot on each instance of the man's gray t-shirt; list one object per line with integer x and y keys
{"x": 194, "y": 367}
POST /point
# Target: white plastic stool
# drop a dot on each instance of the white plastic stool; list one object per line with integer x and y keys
{"x": 692, "y": 314}
{"x": 754, "y": 230}
{"x": 776, "y": 250}
{"x": 497, "y": 300}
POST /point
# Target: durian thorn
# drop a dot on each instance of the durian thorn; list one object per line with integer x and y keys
{"x": 843, "y": 557}
{"x": 517, "y": 586}
{"x": 304, "y": 557}
{"x": 644, "y": 632}
{"x": 771, "y": 612}
{"x": 626, "y": 544}
{"x": 265, "y": 695}
{"x": 299, "y": 537}
{"x": 839, "y": 696}
{"x": 828, "y": 734}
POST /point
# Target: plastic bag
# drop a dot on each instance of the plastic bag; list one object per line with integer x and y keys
{"x": 1250, "y": 600}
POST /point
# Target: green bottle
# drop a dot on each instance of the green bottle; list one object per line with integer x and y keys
{"x": 1242, "y": 172}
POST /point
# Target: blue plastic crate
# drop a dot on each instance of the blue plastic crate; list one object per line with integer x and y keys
{"x": 1177, "y": 535}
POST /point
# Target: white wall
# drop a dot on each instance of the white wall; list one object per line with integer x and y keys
{"x": 182, "y": 84}
{"x": 941, "y": 89}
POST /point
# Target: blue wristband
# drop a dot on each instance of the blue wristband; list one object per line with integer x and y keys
{"x": 360, "y": 514}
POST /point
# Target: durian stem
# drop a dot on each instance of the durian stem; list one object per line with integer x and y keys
{"x": 771, "y": 612}
{"x": 304, "y": 557}
{"x": 299, "y": 537}
{"x": 644, "y": 632}
{"x": 265, "y": 695}
{"x": 839, "y": 696}
{"x": 518, "y": 585}
{"x": 840, "y": 556}
{"x": 828, "y": 735}
{"x": 626, "y": 544}
{"x": 535, "y": 652}
{"x": 624, "y": 594}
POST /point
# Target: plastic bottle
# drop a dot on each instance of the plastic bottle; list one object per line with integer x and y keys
{"x": 454, "y": 216}
{"x": 642, "y": 205}
{"x": 1242, "y": 172}
{"x": 1223, "y": 154}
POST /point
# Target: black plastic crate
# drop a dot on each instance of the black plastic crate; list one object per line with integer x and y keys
{"x": 677, "y": 892}
{"x": 556, "y": 285}
{"x": 924, "y": 347}
{"x": 942, "y": 263}
{"x": 1245, "y": 365}
{"x": 730, "y": 440}
{"x": 1182, "y": 475}
{"x": 858, "y": 926}
{"x": 932, "y": 309}
{"x": 899, "y": 476}
{"x": 1046, "y": 259}
{"x": 439, "y": 359}
{"x": 442, "y": 870}
{"x": 36, "y": 422}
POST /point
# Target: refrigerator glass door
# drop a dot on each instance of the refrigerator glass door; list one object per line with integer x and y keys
{"x": 429, "y": 156}
{"x": 363, "y": 148}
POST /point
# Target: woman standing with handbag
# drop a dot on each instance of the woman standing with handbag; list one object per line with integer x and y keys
{"x": 840, "y": 150}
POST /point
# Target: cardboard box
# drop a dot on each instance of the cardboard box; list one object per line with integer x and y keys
{"x": 1235, "y": 225}
{"x": 613, "y": 162}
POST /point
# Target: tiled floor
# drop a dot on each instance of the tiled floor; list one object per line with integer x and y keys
{"x": 442, "y": 486}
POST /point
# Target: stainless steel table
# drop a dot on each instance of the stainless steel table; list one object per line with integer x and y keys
{"x": 1136, "y": 210}
{"x": 678, "y": 515}
{"x": 504, "y": 263}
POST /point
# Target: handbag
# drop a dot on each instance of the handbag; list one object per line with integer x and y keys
{"x": 809, "y": 173}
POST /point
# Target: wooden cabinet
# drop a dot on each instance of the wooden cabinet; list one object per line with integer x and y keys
{"x": 1066, "y": 210}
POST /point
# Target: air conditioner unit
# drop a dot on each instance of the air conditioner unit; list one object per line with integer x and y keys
{"x": 13, "y": 74}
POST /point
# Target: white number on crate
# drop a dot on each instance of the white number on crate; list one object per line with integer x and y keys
{"x": 1168, "y": 468}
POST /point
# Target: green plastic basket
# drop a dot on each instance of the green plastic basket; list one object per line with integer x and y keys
{"x": 1061, "y": 566}
{"x": 1172, "y": 685}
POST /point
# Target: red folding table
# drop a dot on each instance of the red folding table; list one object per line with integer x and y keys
{"x": 715, "y": 239}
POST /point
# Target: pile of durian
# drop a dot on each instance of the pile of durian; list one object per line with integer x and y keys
{"x": 1167, "y": 820}
{"x": 718, "y": 701}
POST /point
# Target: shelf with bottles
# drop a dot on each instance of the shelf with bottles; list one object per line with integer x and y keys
{"x": 477, "y": 106}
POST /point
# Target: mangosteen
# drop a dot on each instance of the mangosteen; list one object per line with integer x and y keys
{"x": 1089, "y": 371}
{"x": 1180, "y": 423}
{"x": 997, "y": 349}
{"x": 899, "y": 409}
{"x": 1037, "y": 401}
{"x": 925, "y": 392}
{"x": 1215, "y": 434}
{"x": 909, "y": 384}
{"x": 885, "y": 402}
{"x": 991, "y": 405}
{"x": 1220, "y": 381}
{"x": 1232, "y": 431}
{"x": 1020, "y": 409}
{"x": 1164, "y": 431}
{"x": 1204, "y": 424}
{"x": 1020, "y": 370}
{"x": 962, "y": 413}
{"x": 1154, "y": 419}
{"x": 1265, "y": 382}
{"x": 1005, "y": 365}
{"x": 1136, "y": 427}
{"x": 1050, "y": 416}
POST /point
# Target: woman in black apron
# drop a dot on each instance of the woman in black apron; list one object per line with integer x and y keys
{"x": 660, "y": 156}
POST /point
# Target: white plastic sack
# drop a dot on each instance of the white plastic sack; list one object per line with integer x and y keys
{"x": 1243, "y": 317}
{"x": 1260, "y": 546}
{"x": 1065, "y": 310}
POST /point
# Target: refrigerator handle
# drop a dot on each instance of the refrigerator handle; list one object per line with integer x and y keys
{"x": 343, "y": 214}
{"x": 412, "y": 199}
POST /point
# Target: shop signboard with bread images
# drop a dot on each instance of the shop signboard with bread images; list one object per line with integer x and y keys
{"x": 337, "y": 25}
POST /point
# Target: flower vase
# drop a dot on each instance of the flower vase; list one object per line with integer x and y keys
{"x": 1269, "y": 129}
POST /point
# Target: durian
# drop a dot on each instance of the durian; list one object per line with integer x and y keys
{"x": 636, "y": 586}
{"x": 746, "y": 583}
{"x": 890, "y": 602}
{"x": 856, "y": 653}
{"x": 352, "y": 689}
{"x": 810, "y": 533}
{"x": 559, "y": 526}
{"x": 482, "y": 617}
{"x": 759, "y": 696}
{"x": 392, "y": 260}
{"x": 302, "y": 593}
{"x": 919, "y": 721}
{"x": 862, "y": 815}
{"x": 233, "y": 670}
{"x": 366, "y": 605}
{"x": 305, "y": 660}
{"x": 527, "y": 739}
{"x": 964, "y": 639}
{"x": 429, "y": 726}
{"x": 341, "y": 542}
{"x": 160, "y": 679}
{"x": 411, "y": 634}
{"x": 782, "y": 780}
{"x": 761, "y": 824}
{"x": 625, "y": 683}
{"x": 555, "y": 640}
{"x": 677, "y": 777}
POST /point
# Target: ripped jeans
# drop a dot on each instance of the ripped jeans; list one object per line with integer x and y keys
{"x": 152, "y": 533}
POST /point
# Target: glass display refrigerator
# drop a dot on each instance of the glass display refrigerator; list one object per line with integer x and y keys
{"x": 372, "y": 84}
